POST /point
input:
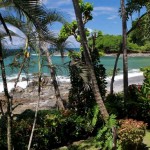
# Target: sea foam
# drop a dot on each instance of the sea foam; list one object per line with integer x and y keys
{"x": 64, "y": 79}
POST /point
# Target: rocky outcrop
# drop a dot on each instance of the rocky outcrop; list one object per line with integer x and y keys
{"x": 28, "y": 97}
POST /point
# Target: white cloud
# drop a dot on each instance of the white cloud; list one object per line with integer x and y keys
{"x": 104, "y": 10}
{"x": 16, "y": 41}
{"x": 112, "y": 17}
{"x": 72, "y": 42}
{"x": 16, "y": 30}
{"x": 90, "y": 30}
{"x": 56, "y": 4}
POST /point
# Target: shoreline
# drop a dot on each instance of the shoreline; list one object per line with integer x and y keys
{"x": 28, "y": 96}
{"x": 133, "y": 77}
{"x": 114, "y": 54}
{"x": 131, "y": 54}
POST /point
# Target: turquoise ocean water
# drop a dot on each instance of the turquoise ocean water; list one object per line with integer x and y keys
{"x": 134, "y": 64}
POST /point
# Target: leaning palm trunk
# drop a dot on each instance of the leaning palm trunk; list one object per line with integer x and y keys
{"x": 114, "y": 71}
{"x": 53, "y": 76}
{"x": 88, "y": 61}
{"x": 9, "y": 101}
{"x": 55, "y": 84}
{"x": 24, "y": 60}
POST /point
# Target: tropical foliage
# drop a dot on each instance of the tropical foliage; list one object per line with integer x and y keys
{"x": 89, "y": 111}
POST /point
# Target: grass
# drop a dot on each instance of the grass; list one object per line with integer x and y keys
{"x": 89, "y": 144}
{"x": 146, "y": 139}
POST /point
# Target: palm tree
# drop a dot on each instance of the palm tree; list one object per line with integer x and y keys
{"x": 59, "y": 101}
{"x": 24, "y": 8}
{"x": 120, "y": 50}
{"x": 52, "y": 16}
{"x": 124, "y": 48}
{"x": 88, "y": 61}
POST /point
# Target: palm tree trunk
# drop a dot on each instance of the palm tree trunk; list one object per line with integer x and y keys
{"x": 36, "y": 113}
{"x": 59, "y": 101}
{"x": 124, "y": 47}
{"x": 9, "y": 101}
{"x": 114, "y": 71}
{"x": 24, "y": 60}
{"x": 1, "y": 108}
{"x": 116, "y": 62}
{"x": 88, "y": 61}
{"x": 55, "y": 84}
{"x": 37, "y": 105}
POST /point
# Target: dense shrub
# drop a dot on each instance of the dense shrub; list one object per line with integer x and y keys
{"x": 146, "y": 47}
{"x": 137, "y": 107}
{"x": 107, "y": 133}
{"x": 131, "y": 133}
{"x": 115, "y": 105}
{"x": 53, "y": 129}
{"x": 146, "y": 84}
{"x": 81, "y": 97}
{"x": 133, "y": 47}
{"x": 138, "y": 104}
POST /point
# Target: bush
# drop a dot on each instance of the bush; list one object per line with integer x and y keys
{"x": 146, "y": 84}
{"x": 146, "y": 47}
{"x": 138, "y": 106}
{"x": 133, "y": 47}
{"x": 115, "y": 104}
{"x": 131, "y": 133}
{"x": 53, "y": 129}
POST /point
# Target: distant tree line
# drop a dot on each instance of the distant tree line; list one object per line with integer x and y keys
{"x": 136, "y": 42}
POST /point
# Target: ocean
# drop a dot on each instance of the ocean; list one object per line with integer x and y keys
{"x": 134, "y": 65}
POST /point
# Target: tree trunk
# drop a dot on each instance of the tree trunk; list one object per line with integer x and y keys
{"x": 9, "y": 101}
{"x": 116, "y": 62}
{"x": 124, "y": 47}
{"x": 53, "y": 76}
{"x": 36, "y": 113}
{"x": 55, "y": 84}
{"x": 88, "y": 61}
{"x": 114, "y": 71}
{"x": 24, "y": 60}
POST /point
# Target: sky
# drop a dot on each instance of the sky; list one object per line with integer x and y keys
{"x": 105, "y": 14}
{"x": 105, "y": 17}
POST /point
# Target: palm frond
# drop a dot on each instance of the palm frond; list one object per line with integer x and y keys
{"x": 5, "y": 27}
{"x": 54, "y": 16}
{"x": 82, "y": 71}
{"x": 32, "y": 10}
